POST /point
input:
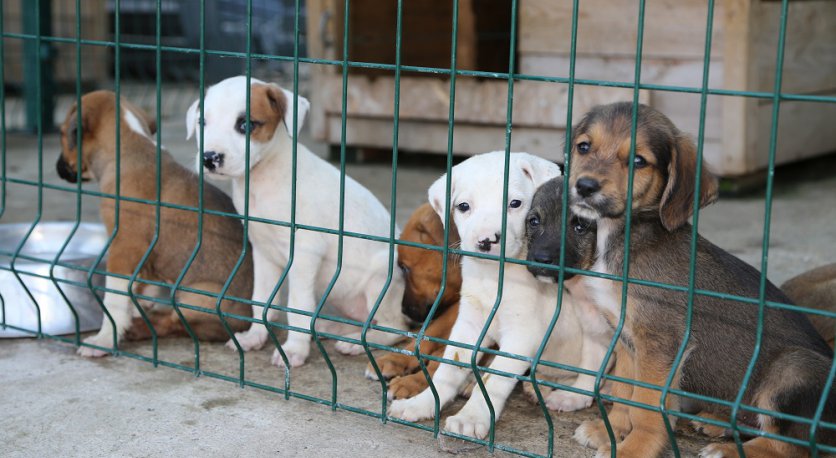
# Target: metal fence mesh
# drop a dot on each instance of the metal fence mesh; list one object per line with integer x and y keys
{"x": 35, "y": 38}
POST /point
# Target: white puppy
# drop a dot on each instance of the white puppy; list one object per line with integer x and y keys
{"x": 365, "y": 263}
{"x": 526, "y": 307}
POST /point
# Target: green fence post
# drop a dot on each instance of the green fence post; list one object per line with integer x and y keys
{"x": 37, "y": 22}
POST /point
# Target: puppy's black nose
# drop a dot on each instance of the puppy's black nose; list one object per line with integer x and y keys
{"x": 587, "y": 186}
{"x": 211, "y": 159}
{"x": 543, "y": 257}
{"x": 485, "y": 243}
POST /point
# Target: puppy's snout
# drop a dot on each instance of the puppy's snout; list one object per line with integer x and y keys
{"x": 65, "y": 171}
{"x": 212, "y": 160}
{"x": 485, "y": 243}
{"x": 587, "y": 186}
{"x": 543, "y": 257}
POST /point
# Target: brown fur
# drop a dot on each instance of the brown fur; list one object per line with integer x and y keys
{"x": 222, "y": 236}
{"x": 793, "y": 361}
{"x": 665, "y": 185}
{"x": 267, "y": 107}
{"x": 423, "y": 274}
{"x": 816, "y": 289}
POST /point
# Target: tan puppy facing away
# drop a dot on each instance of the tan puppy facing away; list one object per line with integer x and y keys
{"x": 422, "y": 271}
{"x": 816, "y": 289}
{"x": 178, "y": 232}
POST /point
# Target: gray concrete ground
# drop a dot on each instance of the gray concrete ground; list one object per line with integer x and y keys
{"x": 55, "y": 403}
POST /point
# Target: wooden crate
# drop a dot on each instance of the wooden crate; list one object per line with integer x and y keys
{"x": 94, "y": 25}
{"x": 743, "y": 55}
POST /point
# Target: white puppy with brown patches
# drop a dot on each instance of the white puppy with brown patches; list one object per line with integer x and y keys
{"x": 365, "y": 263}
{"x": 526, "y": 306}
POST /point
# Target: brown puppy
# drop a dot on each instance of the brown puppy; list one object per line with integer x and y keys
{"x": 422, "y": 270}
{"x": 816, "y": 289}
{"x": 222, "y": 237}
{"x": 793, "y": 361}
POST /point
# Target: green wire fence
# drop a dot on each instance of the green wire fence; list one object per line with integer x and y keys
{"x": 37, "y": 39}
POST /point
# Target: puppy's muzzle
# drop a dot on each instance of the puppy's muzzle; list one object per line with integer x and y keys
{"x": 587, "y": 186}
{"x": 212, "y": 160}
{"x": 543, "y": 257}
{"x": 485, "y": 244}
{"x": 65, "y": 171}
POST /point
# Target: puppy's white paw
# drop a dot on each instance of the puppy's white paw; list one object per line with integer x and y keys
{"x": 413, "y": 409}
{"x": 347, "y": 348}
{"x": 296, "y": 352}
{"x": 370, "y": 373}
{"x": 565, "y": 401}
{"x": 604, "y": 451}
{"x": 470, "y": 424}
{"x": 586, "y": 434}
{"x": 248, "y": 340}
{"x": 100, "y": 341}
{"x": 718, "y": 451}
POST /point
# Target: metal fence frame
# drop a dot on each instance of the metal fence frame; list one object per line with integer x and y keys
{"x": 775, "y": 97}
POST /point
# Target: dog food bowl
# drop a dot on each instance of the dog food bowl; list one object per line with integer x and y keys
{"x": 44, "y": 243}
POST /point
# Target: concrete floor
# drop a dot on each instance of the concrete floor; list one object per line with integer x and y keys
{"x": 55, "y": 403}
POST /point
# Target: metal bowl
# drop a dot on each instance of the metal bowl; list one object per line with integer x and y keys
{"x": 44, "y": 243}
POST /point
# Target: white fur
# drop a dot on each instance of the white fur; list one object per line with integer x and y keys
{"x": 525, "y": 309}
{"x": 121, "y": 310}
{"x": 137, "y": 126}
{"x": 364, "y": 263}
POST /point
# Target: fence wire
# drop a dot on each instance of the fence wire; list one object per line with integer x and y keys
{"x": 39, "y": 40}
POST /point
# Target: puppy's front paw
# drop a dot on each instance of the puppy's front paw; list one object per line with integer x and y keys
{"x": 531, "y": 395}
{"x": 407, "y": 386}
{"x": 605, "y": 451}
{"x": 392, "y": 365}
{"x": 565, "y": 401}
{"x": 248, "y": 340}
{"x": 296, "y": 352}
{"x": 347, "y": 348}
{"x": 98, "y": 340}
{"x": 593, "y": 434}
{"x": 471, "y": 424}
{"x": 719, "y": 451}
{"x": 414, "y": 409}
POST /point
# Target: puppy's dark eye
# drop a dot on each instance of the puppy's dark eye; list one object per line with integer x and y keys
{"x": 639, "y": 162}
{"x": 404, "y": 268}
{"x": 581, "y": 226}
{"x": 534, "y": 221}
{"x": 242, "y": 126}
{"x": 515, "y": 203}
{"x": 463, "y": 207}
{"x": 583, "y": 147}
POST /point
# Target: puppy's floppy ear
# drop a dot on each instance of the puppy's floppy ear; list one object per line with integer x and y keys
{"x": 149, "y": 120}
{"x": 677, "y": 202}
{"x": 538, "y": 170}
{"x": 437, "y": 195}
{"x": 191, "y": 118}
{"x": 303, "y": 105}
{"x": 432, "y": 229}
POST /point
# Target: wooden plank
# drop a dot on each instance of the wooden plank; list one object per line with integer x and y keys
{"x": 682, "y": 108}
{"x": 478, "y": 101}
{"x": 739, "y": 133}
{"x": 805, "y": 130}
{"x": 809, "y": 51}
{"x": 417, "y": 136}
{"x": 673, "y": 28}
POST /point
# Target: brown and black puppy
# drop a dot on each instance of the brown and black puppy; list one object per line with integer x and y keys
{"x": 422, "y": 271}
{"x": 178, "y": 232}
{"x": 816, "y": 289}
{"x": 793, "y": 362}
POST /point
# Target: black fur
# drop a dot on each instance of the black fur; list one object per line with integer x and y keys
{"x": 544, "y": 238}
